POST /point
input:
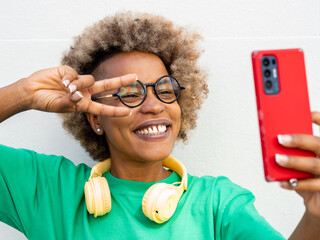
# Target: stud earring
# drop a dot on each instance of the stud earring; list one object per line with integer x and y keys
{"x": 99, "y": 130}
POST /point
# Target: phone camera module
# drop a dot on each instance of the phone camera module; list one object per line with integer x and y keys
{"x": 269, "y": 72}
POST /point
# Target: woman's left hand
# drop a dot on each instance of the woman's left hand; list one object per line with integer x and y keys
{"x": 309, "y": 189}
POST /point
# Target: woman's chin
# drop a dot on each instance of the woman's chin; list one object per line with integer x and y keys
{"x": 154, "y": 154}
{"x": 154, "y": 147}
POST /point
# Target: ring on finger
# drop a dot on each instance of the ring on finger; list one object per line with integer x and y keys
{"x": 293, "y": 182}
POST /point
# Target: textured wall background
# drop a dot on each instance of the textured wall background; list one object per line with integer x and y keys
{"x": 35, "y": 33}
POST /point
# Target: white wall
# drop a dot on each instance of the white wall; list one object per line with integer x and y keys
{"x": 34, "y": 34}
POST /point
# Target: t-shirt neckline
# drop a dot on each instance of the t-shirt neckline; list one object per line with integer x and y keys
{"x": 117, "y": 184}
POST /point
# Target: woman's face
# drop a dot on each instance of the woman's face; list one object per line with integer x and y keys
{"x": 130, "y": 137}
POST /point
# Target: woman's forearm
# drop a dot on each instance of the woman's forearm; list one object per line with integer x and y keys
{"x": 307, "y": 229}
{"x": 13, "y": 99}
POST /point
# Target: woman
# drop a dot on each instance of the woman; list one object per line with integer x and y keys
{"x": 136, "y": 126}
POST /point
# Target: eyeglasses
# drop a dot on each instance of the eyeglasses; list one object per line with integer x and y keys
{"x": 166, "y": 88}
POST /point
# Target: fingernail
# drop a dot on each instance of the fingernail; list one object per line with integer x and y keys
{"x": 284, "y": 184}
{"x": 281, "y": 159}
{"x": 66, "y": 83}
{"x": 77, "y": 96}
{"x": 72, "y": 88}
{"x": 284, "y": 139}
{"x": 136, "y": 76}
{"x": 129, "y": 76}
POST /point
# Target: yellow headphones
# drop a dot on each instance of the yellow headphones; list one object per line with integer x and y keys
{"x": 158, "y": 203}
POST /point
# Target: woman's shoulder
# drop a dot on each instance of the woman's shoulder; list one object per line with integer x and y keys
{"x": 214, "y": 182}
{"x": 22, "y": 157}
{"x": 220, "y": 187}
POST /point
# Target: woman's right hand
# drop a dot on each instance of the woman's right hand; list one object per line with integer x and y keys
{"x": 61, "y": 90}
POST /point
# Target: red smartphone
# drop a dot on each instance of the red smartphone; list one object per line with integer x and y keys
{"x": 283, "y": 106}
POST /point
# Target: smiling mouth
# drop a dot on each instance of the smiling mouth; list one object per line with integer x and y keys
{"x": 152, "y": 130}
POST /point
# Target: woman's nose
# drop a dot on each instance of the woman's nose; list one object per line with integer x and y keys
{"x": 152, "y": 104}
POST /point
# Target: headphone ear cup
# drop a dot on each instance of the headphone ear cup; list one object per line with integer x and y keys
{"x": 89, "y": 196}
{"x": 147, "y": 205}
{"x": 160, "y": 202}
{"x": 98, "y": 198}
{"x": 105, "y": 196}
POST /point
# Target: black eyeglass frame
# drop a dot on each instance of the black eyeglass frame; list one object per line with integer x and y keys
{"x": 117, "y": 94}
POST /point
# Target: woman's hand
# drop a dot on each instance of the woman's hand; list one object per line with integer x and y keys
{"x": 308, "y": 189}
{"x": 61, "y": 89}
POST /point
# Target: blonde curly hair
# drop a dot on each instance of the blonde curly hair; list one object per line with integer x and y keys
{"x": 125, "y": 32}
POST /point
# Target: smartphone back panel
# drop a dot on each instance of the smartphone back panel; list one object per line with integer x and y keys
{"x": 285, "y": 110}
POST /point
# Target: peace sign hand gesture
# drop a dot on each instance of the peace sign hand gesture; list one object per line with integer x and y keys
{"x": 61, "y": 89}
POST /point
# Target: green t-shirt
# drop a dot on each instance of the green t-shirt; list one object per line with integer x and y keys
{"x": 42, "y": 196}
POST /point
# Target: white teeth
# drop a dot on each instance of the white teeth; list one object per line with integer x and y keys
{"x": 153, "y": 130}
{"x": 162, "y": 128}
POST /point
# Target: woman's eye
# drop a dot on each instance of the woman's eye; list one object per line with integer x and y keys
{"x": 163, "y": 92}
{"x": 130, "y": 96}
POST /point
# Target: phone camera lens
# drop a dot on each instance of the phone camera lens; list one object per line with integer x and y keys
{"x": 267, "y": 73}
{"x": 265, "y": 62}
{"x": 268, "y": 84}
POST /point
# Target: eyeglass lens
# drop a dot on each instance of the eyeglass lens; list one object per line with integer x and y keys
{"x": 167, "y": 90}
{"x": 132, "y": 94}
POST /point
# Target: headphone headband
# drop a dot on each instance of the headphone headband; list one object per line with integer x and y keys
{"x": 100, "y": 168}
{"x": 176, "y": 166}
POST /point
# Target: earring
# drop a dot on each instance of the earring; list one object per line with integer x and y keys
{"x": 99, "y": 130}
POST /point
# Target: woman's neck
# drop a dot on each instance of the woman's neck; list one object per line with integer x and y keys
{"x": 138, "y": 171}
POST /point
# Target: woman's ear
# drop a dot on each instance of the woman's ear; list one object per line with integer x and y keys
{"x": 95, "y": 123}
